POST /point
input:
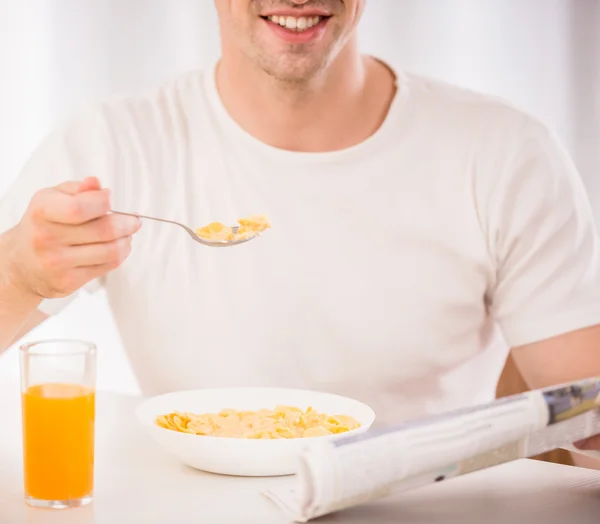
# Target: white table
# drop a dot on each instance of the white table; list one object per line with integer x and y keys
{"x": 137, "y": 484}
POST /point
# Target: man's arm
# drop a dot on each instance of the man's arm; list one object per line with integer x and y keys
{"x": 570, "y": 356}
{"x": 17, "y": 320}
{"x": 65, "y": 240}
{"x": 542, "y": 238}
{"x": 61, "y": 238}
{"x": 17, "y": 307}
{"x": 36, "y": 318}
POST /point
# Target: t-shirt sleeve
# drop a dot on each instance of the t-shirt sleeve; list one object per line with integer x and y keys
{"x": 544, "y": 243}
{"x": 80, "y": 148}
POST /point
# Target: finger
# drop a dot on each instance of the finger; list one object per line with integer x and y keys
{"x": 592, "y": 443}
{"x": 89, "y": 273}
{"x": 112, "y": 254}
{"x": 69, "y": 188}
{"x": 80, "y": 276}
{"x": 58, "y": 207}
{"x": 103, "y": 229}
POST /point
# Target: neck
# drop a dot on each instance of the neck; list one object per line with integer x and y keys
{"x": 317, "y": 115}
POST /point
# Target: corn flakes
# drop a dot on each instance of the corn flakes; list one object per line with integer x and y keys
{"x": 279, "y": 423}
{"x": 248, "y": 227}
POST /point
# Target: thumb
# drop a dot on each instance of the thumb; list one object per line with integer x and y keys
{"x": 91, "y": 183}
{"x": 73, "y": 187}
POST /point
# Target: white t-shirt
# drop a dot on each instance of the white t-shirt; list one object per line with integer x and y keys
{"x": 397, "y": 271}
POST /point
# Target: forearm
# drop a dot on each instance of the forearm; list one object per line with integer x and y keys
{"x": 567, "y": 357}
{"x": 16, "y": 305}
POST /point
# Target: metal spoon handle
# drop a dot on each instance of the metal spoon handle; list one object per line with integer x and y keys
{"x": 157, "y": 219}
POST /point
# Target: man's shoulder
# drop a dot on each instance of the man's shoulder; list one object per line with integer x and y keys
{"x": 164, "y": 100}
{"x": 129, "y": 123}
{"x": 165, "y": 104}
{"x": 445, "y": 103}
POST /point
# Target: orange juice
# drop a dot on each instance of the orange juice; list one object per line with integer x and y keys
{"x": 58, "y": 441}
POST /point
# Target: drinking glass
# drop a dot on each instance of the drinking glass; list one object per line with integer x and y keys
{"x": 58, "y": 380}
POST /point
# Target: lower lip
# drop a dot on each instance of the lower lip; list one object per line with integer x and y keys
{"x": 298, "y": 37}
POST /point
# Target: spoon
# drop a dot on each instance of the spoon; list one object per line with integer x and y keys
{"x": 200, "y": 240}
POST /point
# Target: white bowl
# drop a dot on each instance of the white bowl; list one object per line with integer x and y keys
{"x": 237, "y": 456}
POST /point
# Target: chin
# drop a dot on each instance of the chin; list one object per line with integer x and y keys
{"x": 295, "y": 69}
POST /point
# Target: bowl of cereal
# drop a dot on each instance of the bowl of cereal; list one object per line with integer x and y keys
{"x": 249, "y": 431}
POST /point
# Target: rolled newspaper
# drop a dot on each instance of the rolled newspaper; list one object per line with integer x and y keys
{"x": 334, "y": 475}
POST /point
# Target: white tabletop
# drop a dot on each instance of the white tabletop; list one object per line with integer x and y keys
{"x": 137, "y": 483}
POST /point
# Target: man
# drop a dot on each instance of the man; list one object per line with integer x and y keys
{"x": 419, "y": 230}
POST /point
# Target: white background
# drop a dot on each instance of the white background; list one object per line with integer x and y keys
{"x": 55, "y": 55}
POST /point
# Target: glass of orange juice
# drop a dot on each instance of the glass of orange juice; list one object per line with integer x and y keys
{"x": 58, "y": 379}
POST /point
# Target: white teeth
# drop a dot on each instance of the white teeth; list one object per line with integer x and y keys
{"x": 295, "y": 24}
